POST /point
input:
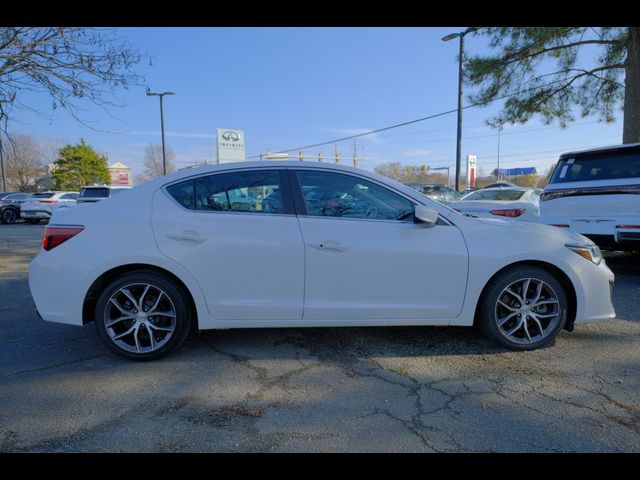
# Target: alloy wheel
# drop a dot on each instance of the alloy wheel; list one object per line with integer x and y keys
{"x": 140, "y": 318}
{"x": 527, "y": 311}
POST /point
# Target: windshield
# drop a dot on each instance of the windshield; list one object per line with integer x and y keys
{"x": 94, "y": 193}
{"x": 502, "y": 194}
{"x": 597, "y": 167}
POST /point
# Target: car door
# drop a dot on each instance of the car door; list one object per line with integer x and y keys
{"x": 237, "y": 233}
{"x": 366, "y": 259}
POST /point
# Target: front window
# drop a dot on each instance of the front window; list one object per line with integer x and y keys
{"x": 329, "y": 194}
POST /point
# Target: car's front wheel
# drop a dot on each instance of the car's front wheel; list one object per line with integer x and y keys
{"x": 142, "y": 315}
{"x": 523, "y": 308}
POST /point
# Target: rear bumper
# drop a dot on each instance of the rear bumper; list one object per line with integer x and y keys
{"x": 621, "y": 240}
{"x": 59, "y": 293}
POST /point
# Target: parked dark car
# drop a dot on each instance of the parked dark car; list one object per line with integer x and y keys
{"x": 438, "y": 192}
{"x": 10, "y": 203}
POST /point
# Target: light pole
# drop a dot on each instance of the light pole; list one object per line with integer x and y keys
{"x": 161, "y": 95}
{"x": 451, "y": 36}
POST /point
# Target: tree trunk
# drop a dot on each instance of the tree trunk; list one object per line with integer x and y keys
{"x": 631, "y": 128}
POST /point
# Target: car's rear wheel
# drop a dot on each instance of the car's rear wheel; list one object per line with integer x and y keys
{"x": 9, "y": 215}
{"x": 142, "y": 315}
{"x": 523, "y": 308}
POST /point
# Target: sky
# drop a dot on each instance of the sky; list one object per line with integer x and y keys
{"x": 289, "y": 87}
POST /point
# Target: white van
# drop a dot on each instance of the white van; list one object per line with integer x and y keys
{"x": 597, "y": 193}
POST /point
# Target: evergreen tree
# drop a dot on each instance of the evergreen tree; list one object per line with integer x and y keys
{"x": 79, "y": 165}
{"x": 556, "y": 69}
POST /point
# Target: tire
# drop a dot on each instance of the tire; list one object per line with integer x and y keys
{"x": 507, "y": 321}
{"x": 148, "y": 338}
{"x": 9, "y": 216}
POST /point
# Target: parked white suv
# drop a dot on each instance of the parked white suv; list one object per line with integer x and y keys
{"x": 41, "y": 205}
{"x": 597, "y": 193}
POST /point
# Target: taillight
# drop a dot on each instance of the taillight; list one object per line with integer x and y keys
{"x": 48, "y": 201}
{"x": 55, "y": 235}
{"x": 512, "y": 213}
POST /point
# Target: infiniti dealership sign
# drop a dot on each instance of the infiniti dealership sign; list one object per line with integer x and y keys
{"x": 230, "y": 145}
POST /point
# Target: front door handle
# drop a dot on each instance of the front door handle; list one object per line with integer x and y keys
{"x": 187, "y": 236}
{"x": 338, "y": 247}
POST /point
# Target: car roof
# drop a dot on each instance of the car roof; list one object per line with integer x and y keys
{"x": 606, "y": 149}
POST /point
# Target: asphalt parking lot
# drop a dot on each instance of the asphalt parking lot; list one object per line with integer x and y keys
{"x": 417, "y": 389}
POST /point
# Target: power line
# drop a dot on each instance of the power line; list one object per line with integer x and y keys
{"x": 410, "y": 122}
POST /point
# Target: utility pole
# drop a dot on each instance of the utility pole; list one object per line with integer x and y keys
{"x": 337, "y": 154}
{"x": 498, "y": 167}
{"x": 355, "y": 153}
{"x": 4, "y": 181}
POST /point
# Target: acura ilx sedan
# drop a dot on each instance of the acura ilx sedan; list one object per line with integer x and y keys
{"x": 284, "y": 244}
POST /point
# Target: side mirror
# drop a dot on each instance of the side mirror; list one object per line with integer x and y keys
{"x": 425, "y": 215}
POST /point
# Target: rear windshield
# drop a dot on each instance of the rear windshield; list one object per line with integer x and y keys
{"x": 597, "y": 167}
{"x": 509, "y": 195}
{"x": 43, "y": 195}
{"x": 94, "y": 193}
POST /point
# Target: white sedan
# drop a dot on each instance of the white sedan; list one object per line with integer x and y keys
{"x": 40, "y": 206}
{"x": 283, "y": 244}
{"x": 518, "y": 203}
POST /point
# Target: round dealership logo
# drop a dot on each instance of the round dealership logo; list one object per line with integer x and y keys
{"x": 231, "y": 136}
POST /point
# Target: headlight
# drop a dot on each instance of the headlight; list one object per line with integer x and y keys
{"x": 590, "y": 252}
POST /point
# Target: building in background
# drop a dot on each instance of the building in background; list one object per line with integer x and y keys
{"x": 230, "y": 145}
{"x": 120, "y": 174}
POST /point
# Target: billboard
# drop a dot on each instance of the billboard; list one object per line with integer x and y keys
{"x": 230, "y": 145}
{"x": 471, "y": 171}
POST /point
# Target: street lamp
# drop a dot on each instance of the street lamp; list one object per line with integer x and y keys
{"x": 451, "y": 36}
{"x": 161, "y": 95}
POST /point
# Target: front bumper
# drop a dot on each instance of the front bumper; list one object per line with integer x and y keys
{"x": 593, "y": 292}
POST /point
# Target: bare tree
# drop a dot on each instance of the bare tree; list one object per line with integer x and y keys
{"x": 67, "y": 64}
{"x": 24, "y": 163}
{"x": 153, "y": 161}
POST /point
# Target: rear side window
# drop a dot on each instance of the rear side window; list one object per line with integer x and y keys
{"x": 94, "y": 193}
{"x": 255, "y": 192}
{"x": 597, "y": 167}
{"x": 183, "y": 193}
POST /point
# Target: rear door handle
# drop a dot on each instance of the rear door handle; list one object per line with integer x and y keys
{"x": 187, "y": 236}
{"x": 338, "y": 247}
